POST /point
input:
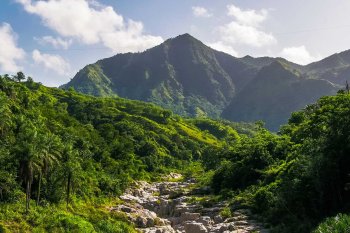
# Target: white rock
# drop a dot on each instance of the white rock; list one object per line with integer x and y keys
{"x": 195, "y": 227}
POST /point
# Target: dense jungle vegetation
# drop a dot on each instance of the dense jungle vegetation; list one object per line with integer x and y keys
{"x": 298, "y": 177}
{"x": 65, "y": 157}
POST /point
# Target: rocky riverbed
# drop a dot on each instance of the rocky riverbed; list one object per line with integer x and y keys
{"x": 170, "y": 207}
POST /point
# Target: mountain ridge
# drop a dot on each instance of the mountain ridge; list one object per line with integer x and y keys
{"x": 192, "y": 79}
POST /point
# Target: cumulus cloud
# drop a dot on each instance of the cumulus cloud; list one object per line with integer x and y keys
{"x": 55, "y": 42}
{"x": 91, "y": 23}
{"x": 299, "y": 55}
{"x": 201, "y": 12}
{"x": 245, "y": 28}
{"x": 247, "y": 17}
{"x": 10, "y": 54}
{"x": 51, "y": 61}
{"x": 243, "y": 34}
{"x": 220, "y": 46}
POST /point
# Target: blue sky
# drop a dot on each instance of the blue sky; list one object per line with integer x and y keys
{"x": 51, "y": 40}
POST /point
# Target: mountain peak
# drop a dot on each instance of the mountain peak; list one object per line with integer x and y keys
{"x": 183, "y": 39}
{"x": 185, "y": 36}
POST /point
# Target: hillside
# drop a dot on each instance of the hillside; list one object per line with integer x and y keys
{"x": 191, "y": 79}
{"x": 182, "y": 74}
{"x": 295, "y": 179}
{"x": 66, "y": 158}
{"x": 62, "y": 148}
{"x": 274, "y": 94}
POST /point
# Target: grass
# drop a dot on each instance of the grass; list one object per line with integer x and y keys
{"x": 196, "y": 134}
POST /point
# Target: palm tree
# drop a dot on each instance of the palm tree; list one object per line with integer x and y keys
{"x": 28, "y": 164}
{"x": 70, "y": 165}
{"x": 50, "y": 152}
{"x": 27, "y": 149}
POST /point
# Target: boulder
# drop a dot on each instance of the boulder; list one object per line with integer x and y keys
{"x": 206, "y": 220}
{"x": 141, "y": 222}
{"x": 189, "y": 216}
{"x": 195, "y": 227}
{"x": 126, "y": 209}
{"x": 218, "y": 219}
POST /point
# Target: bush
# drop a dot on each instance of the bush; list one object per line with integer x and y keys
{"x": 3, "y": 229}
{"x": 338, "y": 224}
{"x": 226, "y": 212}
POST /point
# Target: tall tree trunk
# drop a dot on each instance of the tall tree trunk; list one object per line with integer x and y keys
{"x": 27, "y": 195}
{"x": 68, "y": 187}
{"x": 39, "y": 188}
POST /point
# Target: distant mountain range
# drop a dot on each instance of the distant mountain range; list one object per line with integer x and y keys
{"x": 191, "y": 79}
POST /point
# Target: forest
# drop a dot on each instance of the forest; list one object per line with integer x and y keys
{"x": 65, "y": 156}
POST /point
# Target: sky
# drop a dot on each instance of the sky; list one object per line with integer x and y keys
{"x": 51, "y": 40}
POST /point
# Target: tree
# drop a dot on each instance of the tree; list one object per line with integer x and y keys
{"x": 5, "y": 113}
{"x": 70, "y": 167}
{"x": 26, "y": 150}
{"x": 30, "y": 150}
{"x": 19, "y": 76}
{"x": 49, "y": 154}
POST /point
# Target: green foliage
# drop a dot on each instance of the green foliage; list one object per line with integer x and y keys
{"x": 297, "y": 178}
{"x": 339, "y": 224}
{"x": 244, "y": 163}
{"x": 67, "y": 151}
{"x": 58, "y": 148}
{"x": 226, "y": 212}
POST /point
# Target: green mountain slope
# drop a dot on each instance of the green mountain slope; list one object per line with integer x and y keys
{"x": 191, "y": 79}
{"x": 335, "y": 68}
{"x": 274, "y": 94}
{"x": 181, "y": 74}
{"x": 73, "y": 154}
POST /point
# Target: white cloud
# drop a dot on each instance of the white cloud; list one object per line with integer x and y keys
{"x": 91, "y": 23}
{"x": 201, "y": 12}
{"x": 247, "y": 17}
{"x": 55, "y": 42}
{"x": 299, "y": 55}
{"x": 9, "y": 52}
{"x": 235, "y": 33}
{"x": 245, "y": 29}
{"x": 52, "y": 62}
{"x": 220, "y": 46}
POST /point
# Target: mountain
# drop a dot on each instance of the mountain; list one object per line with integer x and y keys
{"x": 191, "y": 79}
{"x": 182, "y": 74}
{"x": 335, "y": 68}
{"x": 274, "y": 94}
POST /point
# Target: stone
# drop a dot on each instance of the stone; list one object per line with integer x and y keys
{"x": 126, "y": 209}
{"x": 174, "y": 220}
{"x": 167, "y": 207}
{"x": 189, "y": 216}
{"x": 195, "y": 227}
{"x": 150, "y": 222}
{"x": 141, "y": 222}
{"x": 218, "y": 219}
{"x": 163, "y": 189}
{"x": 206, "y": 220}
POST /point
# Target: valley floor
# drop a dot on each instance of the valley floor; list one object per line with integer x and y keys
{"x": 179, "y": 207}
